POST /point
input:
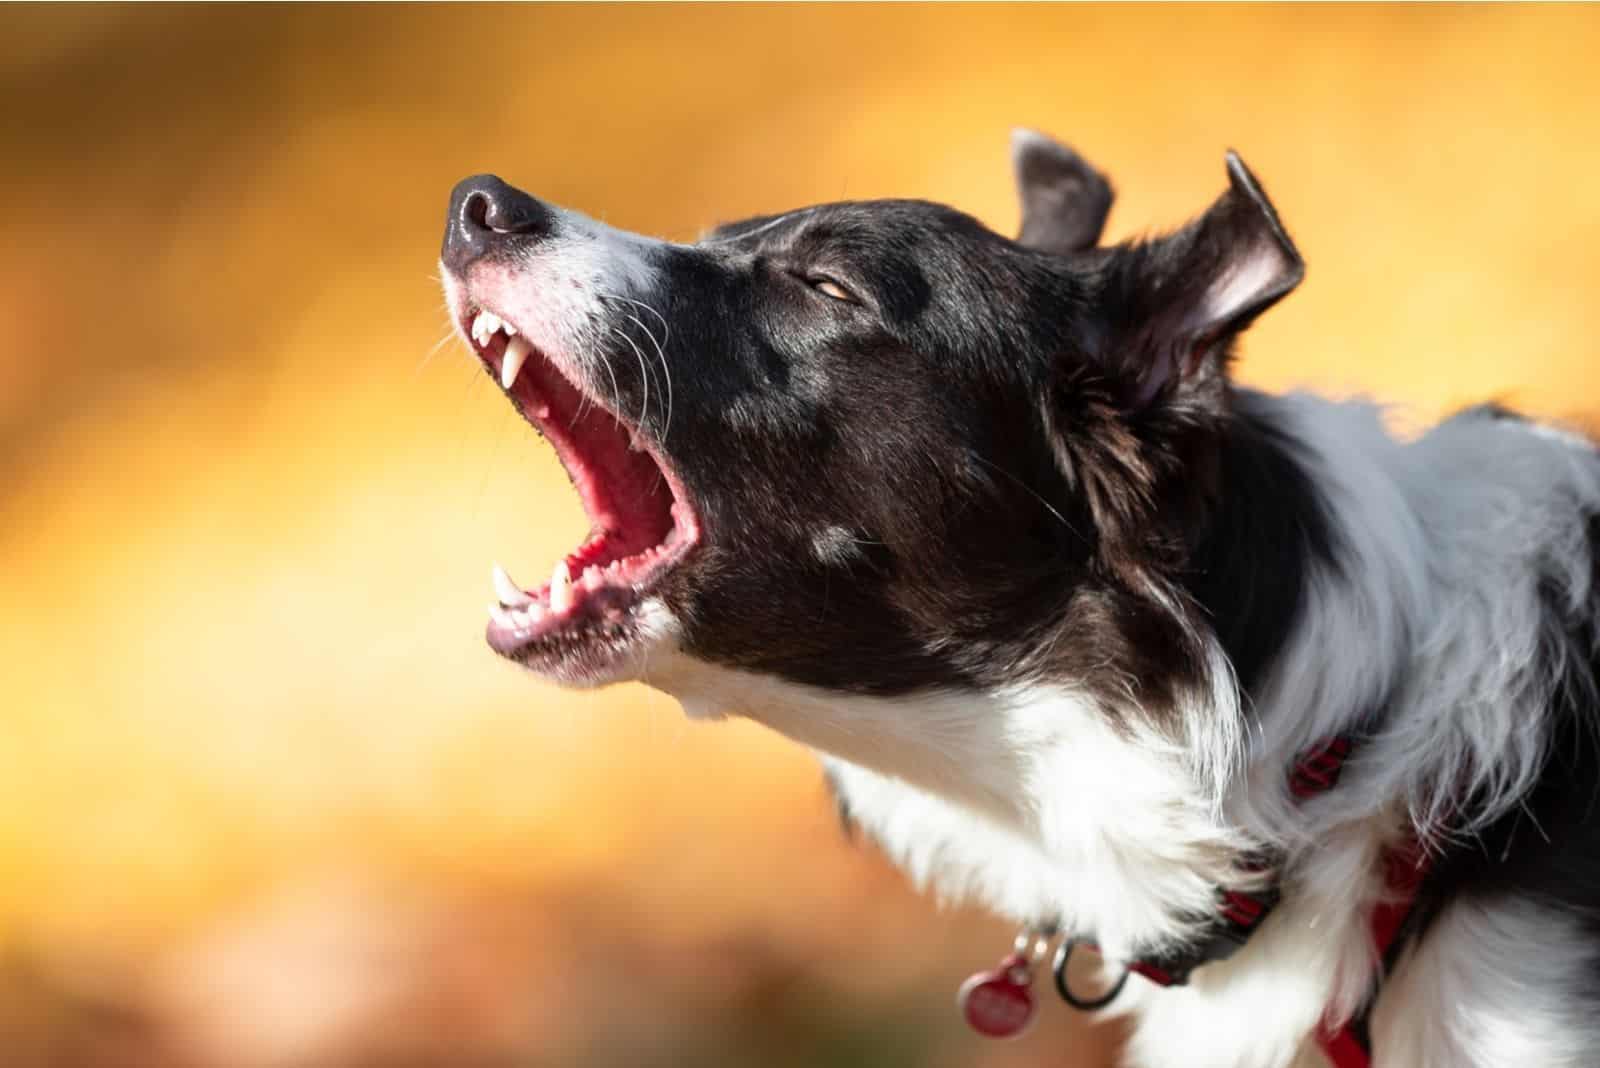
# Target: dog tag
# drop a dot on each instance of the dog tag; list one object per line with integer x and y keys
{"x": 999, "y": 1003}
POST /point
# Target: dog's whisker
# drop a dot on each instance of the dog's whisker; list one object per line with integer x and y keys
{"x": 616, "y": 393}
{"x": 644, "y": 379}
{"x": 428, "y": 356}
{"x": 1028, "y": 489}
{"x": 666, "y": 371}
{"x": 660, "y": 349}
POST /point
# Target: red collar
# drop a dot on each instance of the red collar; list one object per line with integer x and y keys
{"x": 999, "y": 1004}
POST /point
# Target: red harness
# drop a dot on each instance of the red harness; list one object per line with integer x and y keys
{"x": 999, "y": 1003}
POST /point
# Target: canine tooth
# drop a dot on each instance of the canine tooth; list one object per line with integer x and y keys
{"x": 517, "y": 350}
{"x": 498, "y": 613}
{"x": 560, "y": 589}
{"x": 508, "y": 591}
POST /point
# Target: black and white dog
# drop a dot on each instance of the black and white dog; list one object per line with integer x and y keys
{"x": 986, "y": 523}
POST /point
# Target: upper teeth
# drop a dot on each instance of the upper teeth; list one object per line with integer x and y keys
{"x": 487, "y": 324}
{"x": 517, "y": 350}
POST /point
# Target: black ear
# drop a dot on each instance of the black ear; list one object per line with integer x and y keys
{"x": 1064, "y": 200}
{"x": 1173, "y": 306}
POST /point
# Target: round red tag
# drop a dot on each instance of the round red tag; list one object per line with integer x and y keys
{"x": 998, "y": 1003}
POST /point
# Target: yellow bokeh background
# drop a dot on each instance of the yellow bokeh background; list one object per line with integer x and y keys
{"x": 264, "y": 791}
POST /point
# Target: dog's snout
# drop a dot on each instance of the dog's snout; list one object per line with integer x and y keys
{"x": 486, "y": 213}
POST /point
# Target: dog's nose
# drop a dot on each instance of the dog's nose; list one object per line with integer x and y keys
{"x": 486, "y": 214}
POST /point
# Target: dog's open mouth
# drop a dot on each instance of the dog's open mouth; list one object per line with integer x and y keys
{"x": 642, "y": 524}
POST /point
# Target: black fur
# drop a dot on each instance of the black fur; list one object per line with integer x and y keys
{"x": 1065, "y": 201}
{"x": 1248, "y": 568}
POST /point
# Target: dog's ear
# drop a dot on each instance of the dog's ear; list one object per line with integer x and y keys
{"x": 1172, "y": 307}
{"x": 1064, "y": 200}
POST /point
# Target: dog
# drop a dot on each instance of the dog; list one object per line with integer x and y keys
{"x": 1082, "y": 629}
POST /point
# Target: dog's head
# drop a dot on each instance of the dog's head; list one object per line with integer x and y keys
{"x": 869, "y": 447}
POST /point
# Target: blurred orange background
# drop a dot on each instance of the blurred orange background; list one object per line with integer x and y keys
{"x": 265, "y": 796}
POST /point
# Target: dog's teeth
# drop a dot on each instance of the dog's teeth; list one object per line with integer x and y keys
{"x": 509, "y": 592}
{"x": 498, "y": 613}
{"x": 560, "y": 589}
{"x": 486, "y": 325}
{"x": 517, "y": 351}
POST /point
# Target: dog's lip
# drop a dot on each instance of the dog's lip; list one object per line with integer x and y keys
{"x": 644, "y": 522}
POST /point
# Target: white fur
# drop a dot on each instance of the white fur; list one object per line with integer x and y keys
{"x": 1437, "y": 615}
{"x": 1492, "y": 986}
{"x": 1435, "y": 622}
{"x": 1029, "y": 801}
{"x": 835, "y": 545}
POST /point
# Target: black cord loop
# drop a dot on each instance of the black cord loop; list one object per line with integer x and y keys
{"x": 1063, "y": 958}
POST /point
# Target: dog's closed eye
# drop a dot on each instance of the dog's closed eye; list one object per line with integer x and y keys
{"x": 830, "y": 287}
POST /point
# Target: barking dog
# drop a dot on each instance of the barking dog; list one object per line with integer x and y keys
{"x": 1082, "y": 629}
